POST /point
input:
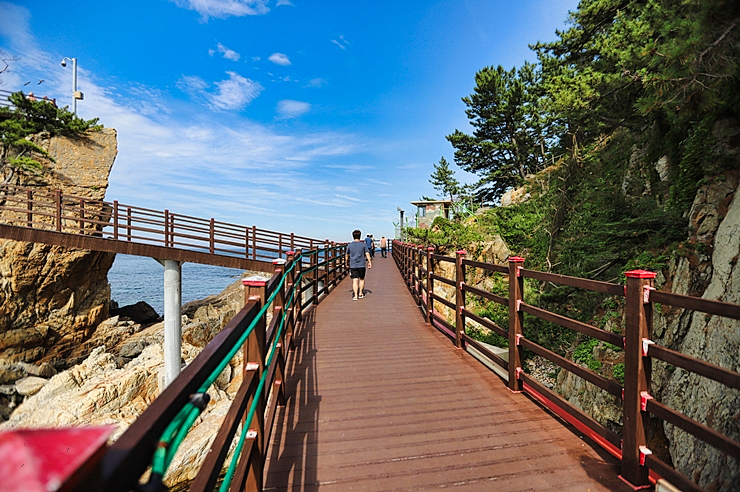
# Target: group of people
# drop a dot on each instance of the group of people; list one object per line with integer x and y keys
{"x": 371, "y": 246}
{"x": 360, "y": 254}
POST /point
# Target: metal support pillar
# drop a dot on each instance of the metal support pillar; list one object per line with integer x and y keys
{"x": 172, "y": 319}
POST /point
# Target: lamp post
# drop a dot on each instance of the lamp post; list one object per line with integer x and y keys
{"x": 75, "y": 93}
{"x": 400, "y": 223}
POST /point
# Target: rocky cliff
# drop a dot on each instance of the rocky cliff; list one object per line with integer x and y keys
{"x": 119, "y": 380}
{"x": 713, "y": 272}
{"x": 52, "y": 298}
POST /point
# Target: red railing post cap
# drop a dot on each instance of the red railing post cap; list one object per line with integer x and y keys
{"x": 516, "y": 259}
{"x": 254, "y": 282}
{"x": 461, "y": 252}
{"x": 430, "y": 248}
{"x": 290, "y": 252}
{"x": 35, "y": 459}
{"x": 278, "y": 261}
{"x": 639, "y": 274}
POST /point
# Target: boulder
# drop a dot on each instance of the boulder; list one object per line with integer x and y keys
{"x": 29, "y": 385}
{"x": 141, "y": 312}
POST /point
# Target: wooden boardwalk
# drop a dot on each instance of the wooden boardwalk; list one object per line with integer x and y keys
{"x": 381, "y": 401}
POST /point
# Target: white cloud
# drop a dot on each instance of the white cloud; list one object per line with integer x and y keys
{"x": 221, "y": 9}
{"x": 292, "y": 109}
{"x": 229, "y": 54}
{"x": 316, "y": 83}
{"x": 342, "y": 43}
{"x": 284, "y": 2}
{"x": 280, "y": 59}
{"x": 234, "y": 93}
{"x": 174, "y": 155}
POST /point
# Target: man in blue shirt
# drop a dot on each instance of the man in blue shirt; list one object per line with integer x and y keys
{"x": 357, "y": 253}
{"x": 370, "y": 243}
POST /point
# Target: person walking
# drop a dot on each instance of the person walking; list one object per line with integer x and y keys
{"x": 383, "y": 247}
{"x": 357, "y": 254}
{"x": 370, "y": 245}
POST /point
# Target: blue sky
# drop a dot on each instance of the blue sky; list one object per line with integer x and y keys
{"x": 309, "y": 117}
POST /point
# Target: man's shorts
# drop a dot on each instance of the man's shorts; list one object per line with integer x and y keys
{"x": 357, "y": 273}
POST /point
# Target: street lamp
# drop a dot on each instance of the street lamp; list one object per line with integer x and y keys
{"x": 400, "y": 223}
{"x": 75, "y": 93}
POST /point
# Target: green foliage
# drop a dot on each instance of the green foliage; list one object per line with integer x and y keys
{"x": 584, "y": 354}
{"x": 445, "y": 235}
{"x": 25, "y": 163}
{"x": 443, "y": 179}
{"x": 618, "y": 373}
{"x": 510, "y": 133}
{"x": 694, "y": 151}
{"x": 30, "y": 118}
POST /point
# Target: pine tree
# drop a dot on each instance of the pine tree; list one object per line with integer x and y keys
{"x": 443, "y": 179}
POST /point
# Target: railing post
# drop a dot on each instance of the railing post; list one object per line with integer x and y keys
{"x": 292, "y": 241}
{"x": 417, "y": 269}
{"x": 315, "y": 274}
{"x": 58, "y": 209}
{"x": 334, "y": 269}
{"x": 278, "y": 309}
{"x": 254, "y": 360}
{"x": 128, "y": 223}
{"x": 291, "y": 293}
{"x": 280, "y": 244}
{"x": 29, "y": 207}
{"x": 166, "y": 228}
{"x": 637, "y": 372}
{"x": 254, "y": 242}
{"x": 516, "y": 320}
{"x": 115, "y": 220}
{"x": 459, "y": 299}
{"x": 299, "y": 280}
{"x": 82, "y": 215}
{"x": 407, "y": 265}
{"x": 430, "y": 285}
{"x": 212, "y": 236}
{"x": 327, "y": 256}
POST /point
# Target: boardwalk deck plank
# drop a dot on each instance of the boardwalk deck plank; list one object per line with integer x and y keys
{"x": 380, "y": 401}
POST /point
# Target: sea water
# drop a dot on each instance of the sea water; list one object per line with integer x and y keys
{"x": 137, "y": 278}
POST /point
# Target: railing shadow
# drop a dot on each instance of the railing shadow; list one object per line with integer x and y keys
{"x": 292, "y": 456}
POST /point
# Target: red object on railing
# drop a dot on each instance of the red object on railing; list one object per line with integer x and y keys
{"x": 46, "y": 460}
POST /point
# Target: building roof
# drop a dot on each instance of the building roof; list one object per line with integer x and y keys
{"x": 431, "y": 202}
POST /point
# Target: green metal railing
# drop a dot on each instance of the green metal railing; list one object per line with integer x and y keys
{"x": 153, "y": 439}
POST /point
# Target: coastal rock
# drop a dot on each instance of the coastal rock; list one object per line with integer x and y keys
{"x": 141, "y": 312}
{"x": 51, "y": 298}
{"x": 9, "y": 373}
{"x": 106, "y": 389}
{"x": 29, "y": 385}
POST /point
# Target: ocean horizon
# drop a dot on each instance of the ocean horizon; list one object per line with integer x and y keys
{"x": 138, "y": 278}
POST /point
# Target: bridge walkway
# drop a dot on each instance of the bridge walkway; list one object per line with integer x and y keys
{"x": 381, "y": 401}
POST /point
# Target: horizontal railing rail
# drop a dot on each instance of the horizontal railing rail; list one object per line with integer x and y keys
{"x": 58, "y": 212}
{"x": 639, "y": 466}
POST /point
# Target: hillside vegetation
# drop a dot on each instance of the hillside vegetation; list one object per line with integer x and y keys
{"x": 628, "y": 119}
{"x": 611, "y": 134}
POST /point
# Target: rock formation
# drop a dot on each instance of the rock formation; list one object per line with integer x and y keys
{"x": 52, "y": 298}
{"x": 119, "y": 379}
{"x": 715, "y": 220}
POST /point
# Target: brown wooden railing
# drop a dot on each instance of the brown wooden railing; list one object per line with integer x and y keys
{"x": 125, "y": 461}
{"x": 639, "y": 465}
{"x": 54, "y": 211}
